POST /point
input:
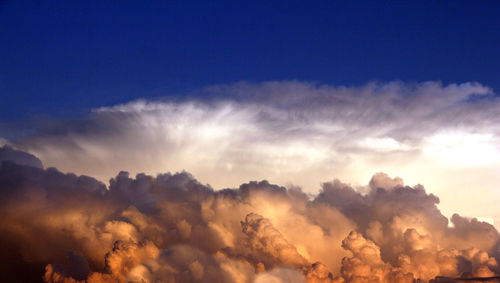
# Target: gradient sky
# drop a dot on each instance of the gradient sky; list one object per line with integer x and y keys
{"x": 64, "y": 57}
{"x": 294, "y": 92}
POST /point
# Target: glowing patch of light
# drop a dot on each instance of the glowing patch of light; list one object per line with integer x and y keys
{"x": 488, "y": 220}
{"x": 464, "y": 149}
{"x": 384, "y": 144}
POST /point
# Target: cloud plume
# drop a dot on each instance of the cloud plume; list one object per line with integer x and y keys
{"x": 445, "y": 136}
{"x": 59, "y": 227}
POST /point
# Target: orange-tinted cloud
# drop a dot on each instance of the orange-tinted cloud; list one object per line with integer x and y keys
{"x": 65, "y": 228}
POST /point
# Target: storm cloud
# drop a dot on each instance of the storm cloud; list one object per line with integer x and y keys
{"x": 171, "y": 228}
{"x": 293, "y": 133}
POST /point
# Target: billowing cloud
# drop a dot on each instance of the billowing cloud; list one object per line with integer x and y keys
{"x": 60, "y": 227}
{"x": 445, "y": 136}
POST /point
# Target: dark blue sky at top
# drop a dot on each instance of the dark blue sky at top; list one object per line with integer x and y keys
{"x": 64, "y": 57}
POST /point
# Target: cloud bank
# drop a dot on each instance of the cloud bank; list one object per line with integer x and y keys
{"x": 171, "y": 228}
{"x": 445, "y": 136}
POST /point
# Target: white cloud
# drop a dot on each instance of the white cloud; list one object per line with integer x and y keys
{"x": 384, "y": 144}
{"x": 293, "y": 132}
{"x": 463, "y": 148}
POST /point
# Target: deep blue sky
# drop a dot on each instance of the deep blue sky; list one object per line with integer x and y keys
{"x": 62, "y": 57}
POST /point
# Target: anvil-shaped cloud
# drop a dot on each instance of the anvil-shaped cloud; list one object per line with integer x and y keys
{"x": 295, "y": 133}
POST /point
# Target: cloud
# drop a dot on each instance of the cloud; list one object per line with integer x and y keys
{"x": 68, "y": 228}
{"x": 8, "y": 154}
{"x": 286, "y": 127}
{"x": 445, "y": 136}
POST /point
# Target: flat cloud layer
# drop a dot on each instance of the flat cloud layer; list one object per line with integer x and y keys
{"x": 296, "y": 133}
{"x": 171, "y": 228}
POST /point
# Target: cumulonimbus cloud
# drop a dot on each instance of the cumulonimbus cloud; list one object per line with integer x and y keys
{"x": 171, "y": 228}
{"x": 445, "y": 136}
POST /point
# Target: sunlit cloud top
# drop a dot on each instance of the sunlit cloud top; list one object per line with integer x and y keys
{"x": 294, "y": 133}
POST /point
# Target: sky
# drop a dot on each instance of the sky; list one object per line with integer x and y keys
{"x": 197, "y": 141}
{"x": 66, "y": 57}
{"x": 193, "y": 80}
{"x": 209, "y": 84}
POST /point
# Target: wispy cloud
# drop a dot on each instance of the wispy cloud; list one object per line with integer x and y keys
{"x": 445, "y": 136}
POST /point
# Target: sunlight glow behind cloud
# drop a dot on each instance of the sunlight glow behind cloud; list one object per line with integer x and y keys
{"x": 462, "y": 148}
